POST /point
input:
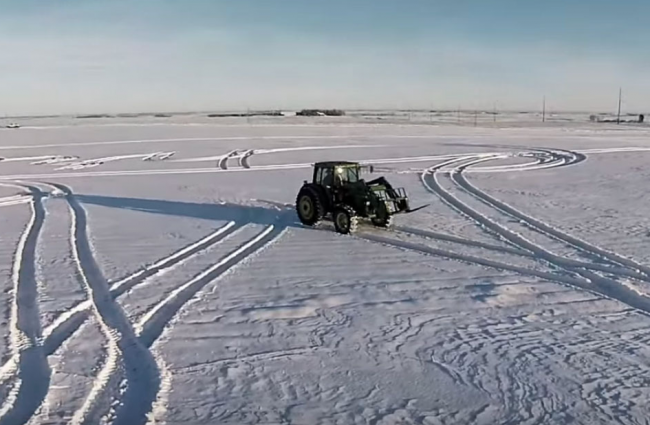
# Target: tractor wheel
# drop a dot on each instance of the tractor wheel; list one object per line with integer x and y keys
{"x": 384, "y": 221}
{"x": 382, "y": 218}
{"x": 309, "y": 207}
{"x": 345, "y": 220}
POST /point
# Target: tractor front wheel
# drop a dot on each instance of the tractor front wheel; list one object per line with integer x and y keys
{"x": 384, "y": 221}
{"x": 345, "y": 220}
{"x": 383, "y": 218}
{"x": 309, "y": 207}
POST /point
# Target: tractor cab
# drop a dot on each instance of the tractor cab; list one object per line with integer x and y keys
{"x": 336, "y": 174}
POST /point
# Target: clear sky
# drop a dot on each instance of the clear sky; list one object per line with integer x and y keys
{"x": 81, "y": 56}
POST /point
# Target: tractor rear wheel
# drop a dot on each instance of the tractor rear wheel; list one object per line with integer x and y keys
{"x": 345, "y": 220}
{"x": 309, "y": 206}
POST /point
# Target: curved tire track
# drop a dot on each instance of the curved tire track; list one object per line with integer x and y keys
{"x": 64, "y": 326}
{"x": 547, "y": 229}
{"x": 457, "y": 177}
{"x": 469, "y": 259}
{"x": 33, "y": 372}
{"x": 585, "y": 279}
{"x": 129, "y": 356}
{"x": 124, "y": 350}
{"x": 223, "y": 162}
{"x": 243, "y": 159}
{"x": 463, "y": 241}
{"x": 515, "y": 251}
{"x": 154, "y": 322}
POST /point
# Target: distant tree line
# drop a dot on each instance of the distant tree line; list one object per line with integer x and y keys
{"x": 321, "y": 112}
{"x": 246, "y": 114}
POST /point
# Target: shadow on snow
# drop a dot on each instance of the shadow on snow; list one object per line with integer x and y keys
{"x": 275, "y": 214}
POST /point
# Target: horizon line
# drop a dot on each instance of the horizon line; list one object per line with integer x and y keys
{"x": 109, "y": 115}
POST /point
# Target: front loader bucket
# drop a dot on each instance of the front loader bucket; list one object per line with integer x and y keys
{"x": 402, "y": 207}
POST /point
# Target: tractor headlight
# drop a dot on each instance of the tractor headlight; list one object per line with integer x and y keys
{"x": 339, "y": 170}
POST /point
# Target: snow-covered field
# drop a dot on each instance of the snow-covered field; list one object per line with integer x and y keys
{"x": 158, "y": 274}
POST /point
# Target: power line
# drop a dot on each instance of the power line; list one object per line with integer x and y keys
{"x": 620, "y": 100}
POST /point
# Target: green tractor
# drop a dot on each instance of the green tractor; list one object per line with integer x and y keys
{"x": 337, "y": 190}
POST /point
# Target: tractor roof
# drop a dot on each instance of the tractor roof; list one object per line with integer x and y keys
{"x": 336, "y": 164}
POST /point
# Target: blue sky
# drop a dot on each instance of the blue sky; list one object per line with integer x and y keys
{"x": 78, "y": 56}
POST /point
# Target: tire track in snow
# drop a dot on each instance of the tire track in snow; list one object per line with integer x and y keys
{"x": 607, "y": 264}
{"x": 218, "y": 169}
{"x": 309, "y": 137}
{"x": 129, "y": 402}
{"x": 551, "y": 231}
{"x": 33, "y": 372}
{"x": 61, "y": 287}
{"x": 95, "y": 162}
{"x": 70, "y": 322}
{"x": 469, "y": 259}
{"x": 464, "y": 241}
{"x": 613, "y": 268}
{"x": 153, "y": 323}
{"x": 223, "y": 139}
{"x": 588, "y": 280}
{"x": 14, "y": 200}
{"x": 243, "y": 159}
{"x": 223, "y": 161}
{"x": 8, "y": 370}
{"x": 65, "y": 325}
{"x": 124, "y": 350}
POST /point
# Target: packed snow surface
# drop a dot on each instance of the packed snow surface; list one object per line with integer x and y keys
{"x": 158, "y": 274}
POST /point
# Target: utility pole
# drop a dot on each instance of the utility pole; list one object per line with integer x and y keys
{"x": 544, "y": 109}
{"x": 494, "y": 115}
{"x": 475, "y": 118}
{"x": 620, "y": 99}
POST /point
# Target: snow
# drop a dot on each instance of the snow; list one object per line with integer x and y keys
{"x": 157, "y": 273}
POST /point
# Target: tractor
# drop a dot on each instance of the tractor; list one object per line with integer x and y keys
{"x": 337, "y": 190}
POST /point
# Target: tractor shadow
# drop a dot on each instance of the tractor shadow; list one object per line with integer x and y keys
{"x": 276, "y": 214}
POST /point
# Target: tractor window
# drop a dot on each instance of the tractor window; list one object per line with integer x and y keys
{"x": 345, "y": 175}
{"x": 325, "y": 177}
{"x": 352, "y": 175}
